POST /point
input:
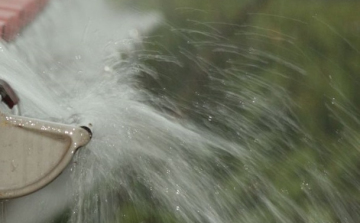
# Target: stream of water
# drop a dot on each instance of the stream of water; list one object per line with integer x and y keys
{"x": 178, "y": 137}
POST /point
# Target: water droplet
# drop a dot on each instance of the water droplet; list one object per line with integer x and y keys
{"x": 305, "y": 186}
{"x": 177, "y": 208}
{"x": 107, "y": 69}
{"x": 129, "y": 134}
{"x": 134, "y": 33}
{"x": 333, "y": 101}
{"x": 210, "y": 118}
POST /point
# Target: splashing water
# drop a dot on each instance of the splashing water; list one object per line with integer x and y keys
{"x": 220, "y": 144}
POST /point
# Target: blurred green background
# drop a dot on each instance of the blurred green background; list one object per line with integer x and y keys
{"x": 308, "y": 49}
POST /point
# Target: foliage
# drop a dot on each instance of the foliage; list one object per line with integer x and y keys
{"x": 307, "y": 49}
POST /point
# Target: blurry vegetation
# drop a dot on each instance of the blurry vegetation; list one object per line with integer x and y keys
{"x": 308, "y": 48}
